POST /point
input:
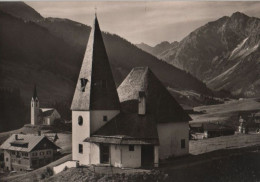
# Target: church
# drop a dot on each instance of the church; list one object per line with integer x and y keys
{"x": 134, "y": 125}
{"x": 42, "y": 116}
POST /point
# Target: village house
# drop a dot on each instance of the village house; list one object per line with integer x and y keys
{"x": 27, "y": 152}
{"x": 210, "y": 130}
{"x": 132, "y": 126}
{"x": 217, "y": 129}
{"x": 42, "y": 116}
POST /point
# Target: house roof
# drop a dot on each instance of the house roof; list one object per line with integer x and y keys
{"x": 217, "y": 127}
{"x": 95, "y": 77}
{"x": 257, "y": 114}
{"x": 46, "y": 111}
{"x": 124, "y": 140}
{"x": 129, "y": 128}
{"x": 159, "y": 102}
{"x": 24, "y": 143}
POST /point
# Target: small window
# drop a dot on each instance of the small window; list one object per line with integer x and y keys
{"x": 183, "y": 143}
{"x": 131, "y": 148}
{"x": 80, "y": 120}
{"x": 80, "y": 148}
{"x": 104, "y": 118}
{"x": 83, "y": 82}
{"x": 6, "y": 159}
{"x": 41, "y": 153}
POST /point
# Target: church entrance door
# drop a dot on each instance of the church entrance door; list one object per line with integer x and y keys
{"x": 104, "y": 153}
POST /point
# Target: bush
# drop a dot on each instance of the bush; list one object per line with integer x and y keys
{"x": 49, "y": 171}
{"x": 43, "y": 176}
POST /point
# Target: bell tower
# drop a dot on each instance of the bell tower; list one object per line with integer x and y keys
{"x": 35, "y": 105}
{"x": 95, "y": 100}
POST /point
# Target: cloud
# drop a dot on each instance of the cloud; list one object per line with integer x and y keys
{"x": 148, "y": 21}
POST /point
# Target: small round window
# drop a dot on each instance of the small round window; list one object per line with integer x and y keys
{"x": 80, "y": 120}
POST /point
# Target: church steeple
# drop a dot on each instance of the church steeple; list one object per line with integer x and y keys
{"x": 96, "y": 89}
{"x": 35, "y": 106}
{"x": 34, "y": 93}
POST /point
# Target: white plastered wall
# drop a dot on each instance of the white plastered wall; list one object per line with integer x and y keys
{"x": 131, "y": 158}
{"x": 92, "y": 121}
{"x": 94, "y": 153}
{"x": 115, "y": 156}
{"x": 79, "y": 134}
{"x": 120, "y": 156}
{"x": 170, "y": 136}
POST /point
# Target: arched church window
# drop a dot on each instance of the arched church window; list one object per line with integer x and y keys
{"x": 80, "y": 120}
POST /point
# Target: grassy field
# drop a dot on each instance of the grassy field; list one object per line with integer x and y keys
{"x": 233, "y": 165}
{"x": 227, "y": 112}
{"x": 223, "y": 142}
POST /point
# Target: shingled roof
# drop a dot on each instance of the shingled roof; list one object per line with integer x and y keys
{"x": 127, "y": 128}
{"x": 159, "y": 102}
{"x": 24, "y": 143}
{"x": 95, "y": 89}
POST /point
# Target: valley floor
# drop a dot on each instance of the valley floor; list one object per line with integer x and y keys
{"x": 220, "y": 158}
{"x": 226, "y": 158}
{"x": 227, "y": 112}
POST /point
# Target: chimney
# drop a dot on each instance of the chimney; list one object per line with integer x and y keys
{"x": 141, "y": 103}
{"x": 39, "y": 132}
{"x": 16, "y": 137}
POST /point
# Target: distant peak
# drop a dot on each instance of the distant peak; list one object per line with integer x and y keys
{"x": 142, "y": 43}
{"x": 163, "y": 43}
{"x": 238, "y": 15}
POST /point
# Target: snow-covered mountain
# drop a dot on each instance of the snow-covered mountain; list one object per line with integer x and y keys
{"x": 225, "y": 54}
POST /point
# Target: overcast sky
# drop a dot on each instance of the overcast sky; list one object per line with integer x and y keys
{"x": 149, "y": 22}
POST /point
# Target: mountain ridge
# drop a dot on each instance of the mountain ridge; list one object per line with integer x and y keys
{"x": 60, "y": 60}
{"x": 222, "y": 53}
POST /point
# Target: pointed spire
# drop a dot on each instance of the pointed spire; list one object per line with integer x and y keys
{"x": 98, "y": 91}
{"x": 95, "y": 12}
{"x": 34, "y": 92}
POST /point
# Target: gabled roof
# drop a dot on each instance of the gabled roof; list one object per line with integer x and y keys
{"x": 100, "y": 89}
{"x": 127, "y": 128}
{"x": 217, "y": 127}
{"x": 159, "y": 102}
{"x": 46, "y": 111}
{"x": 24, "y": 143}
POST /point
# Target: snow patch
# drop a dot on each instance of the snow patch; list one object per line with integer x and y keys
{"x": 238, "y": 47}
